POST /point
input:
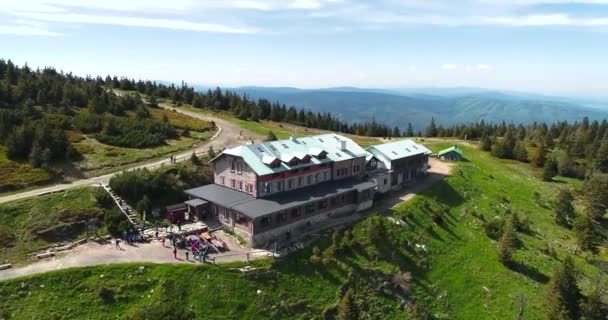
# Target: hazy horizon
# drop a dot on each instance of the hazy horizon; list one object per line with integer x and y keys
{"x": 552, "y": 47}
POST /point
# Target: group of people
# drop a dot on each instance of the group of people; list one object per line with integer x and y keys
{"x": 198, "y": 247}
{"x": 130, "y": 236}
{"x": 172, "y": 159}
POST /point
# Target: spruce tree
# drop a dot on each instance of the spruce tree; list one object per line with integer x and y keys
{"x": 195, "y": 160}
{"x": 507, "y": 242}
{"x": 588, "y": 236}
{"x": 540, "y": 157}
{"x": 347, "y": 308}
{"x": 410, "y": 130}
{"x": 520, "y": 152}
{"x": 211, "y": 152}
{"x": 563, "y": 295}
{"x": 550, "y": 169}
{"x": 601, "y": 158}
{"x": 563, "y": 209}
{"x": 431, "y": 130}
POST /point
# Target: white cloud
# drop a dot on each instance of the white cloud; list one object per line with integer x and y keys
{"x": 250, "y": 4}
{"x": 22, "y": 30}
{"x": 306, "y": 4}
{"x": 449, "y": 66}
{"x": 137, "y": 22}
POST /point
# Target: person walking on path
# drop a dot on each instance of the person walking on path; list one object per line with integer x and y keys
{"x": 187, "y": 255}
{"x": 156, "y": 234}
{"x": 117, "y": 244}
{"x": 162, "y": 240}
{"x": 175, "y": 252}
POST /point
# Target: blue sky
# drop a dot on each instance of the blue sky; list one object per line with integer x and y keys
{"x": 544, "y": 46}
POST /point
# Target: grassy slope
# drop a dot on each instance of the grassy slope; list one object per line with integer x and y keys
{"x": 459, "y": 278}
{"x": 19, "y": 174}
{"x": 100, "y": 158}
{"x": 23, "y": 217}
{"x": 464, "y": 260}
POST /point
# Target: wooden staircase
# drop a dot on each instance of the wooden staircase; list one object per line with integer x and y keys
{"x": 131, "y": 215}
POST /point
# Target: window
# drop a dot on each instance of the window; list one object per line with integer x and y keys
{"x": 289, "y": 183}
{"x": 309, "y": 208}
{"x": 322, "y": 204}
{"x": 295, "y": 212}
{"x": 310, "y": 179}
{"x": 279, "y": 186}
{"x": 325, "y": 176}
{"x": 265, "y": 221}
{"x": 285, "y": 146}
{"x": 249, "y": 188}
{"x": 299, "y": 181}
{"x": 280, "y": 217}
{"x": 233, "y": 183}
{"x": 356, "y": 168}
{"x": 232, "y": 165}
{"x": 241, "y": 185}
{"x": 385, "y": 181}
{"x": 317, "y": 176}
{"x": 268, "y": 187}
{"x": 222, "y": 180}
{"x": 323, "y": 155}
{"x": 239, "y": 167}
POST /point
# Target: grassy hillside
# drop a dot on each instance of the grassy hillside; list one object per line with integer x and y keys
{"x": 19, "y": 174}
{"x": 33, "y": 224}
{"x": 433, "y": 253}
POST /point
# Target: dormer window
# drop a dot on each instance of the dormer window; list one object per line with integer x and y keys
{"x": 322, "y": 155}
{"x": 293, "y": 162}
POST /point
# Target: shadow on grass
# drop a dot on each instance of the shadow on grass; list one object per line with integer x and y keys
{"x": 444, "y": 193}
{"x": 528, "y": 271}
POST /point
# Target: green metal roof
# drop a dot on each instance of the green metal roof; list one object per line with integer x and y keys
{"x": 450, "y": 149}
{"x": 259, "y": 155}
{"x": 398, "y": 149}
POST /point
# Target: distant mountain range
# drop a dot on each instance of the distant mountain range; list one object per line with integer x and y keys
{"x": 417, "y": 106}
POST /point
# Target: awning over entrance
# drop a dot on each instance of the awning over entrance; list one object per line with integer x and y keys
{"x": 195, "y": 203}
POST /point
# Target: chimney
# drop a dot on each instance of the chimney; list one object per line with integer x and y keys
{"x": 343, "y": 145}
{"x": 292, "y": 138}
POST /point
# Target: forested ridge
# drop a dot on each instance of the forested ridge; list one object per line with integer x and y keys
{"x": 39, "y": 107}
{"x": 573, "y": 149}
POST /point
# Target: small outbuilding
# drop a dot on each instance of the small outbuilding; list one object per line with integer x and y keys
{"x": 452, "y": 154}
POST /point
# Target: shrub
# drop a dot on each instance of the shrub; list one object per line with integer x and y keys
{"x": 7, "y": 237}
{"x": 493, "y": 228}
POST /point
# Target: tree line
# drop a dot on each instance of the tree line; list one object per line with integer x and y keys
{"x": 248, "y": 109}
{"x": 572, "y": 149}
{"x": 39, "y": 107}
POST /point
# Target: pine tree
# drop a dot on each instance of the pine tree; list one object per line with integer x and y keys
{"x": 595, "y": 195}
{"x": 431, "y": 130}
{"x": 36, "y": 155}
{"x": 601, "y": 158}
{"x": 486, "y": 143}
{"x": 195, "y": 160}
{"x": 564, "y": 211}
{"x": 540, "y": 157}
{"x": 550, "y": 169}
{"x": 507, "y": 242}
{"x": 588, "y": 236}
{"x": 520, "y": 152}
{"x": 211, "y": 152}
{"x": 410, "y": 130}
{"x": 347, "y": 308}
{"x": 153, "y": 102}
{"x": 563, "y": 295}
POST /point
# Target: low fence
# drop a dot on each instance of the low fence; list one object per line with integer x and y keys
{"x": 241, "y": 256}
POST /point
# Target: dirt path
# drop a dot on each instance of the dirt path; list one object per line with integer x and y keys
{"x": 228, "y": 135}
{"x": 91, "y": 254}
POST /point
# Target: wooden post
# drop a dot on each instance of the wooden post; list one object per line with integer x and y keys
{"x": 247, "y": 256}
